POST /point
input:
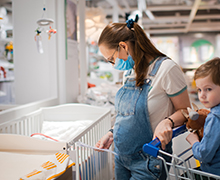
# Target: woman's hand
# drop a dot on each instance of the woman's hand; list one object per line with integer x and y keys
{"x": 164, "y": 132}
{"x": 105, "y": 142}
{"x": 192, "y": 138}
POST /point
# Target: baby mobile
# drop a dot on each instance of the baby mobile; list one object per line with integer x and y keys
{"x": 44, "y": 25}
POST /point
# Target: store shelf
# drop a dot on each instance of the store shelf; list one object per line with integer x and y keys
{"x": 6, "y": 79}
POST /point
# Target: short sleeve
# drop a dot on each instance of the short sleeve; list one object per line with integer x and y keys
{"x": 173, "y": 81}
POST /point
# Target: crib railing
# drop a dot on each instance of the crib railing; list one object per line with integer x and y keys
{"x": 91, "y": 164}
{"x": 26, "y": 125}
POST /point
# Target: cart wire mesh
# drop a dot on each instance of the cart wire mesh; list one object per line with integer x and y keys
{"x": 180, "y": 167}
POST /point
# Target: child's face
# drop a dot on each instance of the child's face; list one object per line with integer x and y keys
{"x": 208, "y": 92}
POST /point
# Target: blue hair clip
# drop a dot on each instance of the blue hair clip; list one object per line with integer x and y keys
{"x": 130, "y": 23}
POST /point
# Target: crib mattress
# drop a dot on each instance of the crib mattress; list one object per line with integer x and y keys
{"x": 63, "y": 130}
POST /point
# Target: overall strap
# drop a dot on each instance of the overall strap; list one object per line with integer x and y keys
{"x": 157, "y": 65}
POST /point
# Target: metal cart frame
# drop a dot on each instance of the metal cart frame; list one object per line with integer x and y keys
{"x": 180, "y": 167}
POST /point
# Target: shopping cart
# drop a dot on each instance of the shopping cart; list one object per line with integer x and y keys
{"x": 180, "y": 166}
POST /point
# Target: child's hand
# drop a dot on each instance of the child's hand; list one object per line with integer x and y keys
{"x": 192, "y": 138}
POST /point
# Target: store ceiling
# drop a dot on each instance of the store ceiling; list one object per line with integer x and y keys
{"x": 168, "y": 16}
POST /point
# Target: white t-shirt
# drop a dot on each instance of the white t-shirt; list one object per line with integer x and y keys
{"x": 168, "y": 82}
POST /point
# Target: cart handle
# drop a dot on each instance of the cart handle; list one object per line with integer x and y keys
{"x": 152, "y": 147}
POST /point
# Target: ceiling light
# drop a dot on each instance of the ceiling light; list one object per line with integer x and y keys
{"x": 89, "y": 23}
{"x": 198, "y": 35}
{"x": 90, "y": 31}
{"x": 134, "y": 13}
{"x": 97, "y": 18}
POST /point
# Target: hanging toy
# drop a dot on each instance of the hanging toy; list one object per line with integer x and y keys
{"x": 45, "y": 21}
{"x": 42, "y": 22}
{"x": 0, "y": 21}
{"x": 38, "y": 31}
{"x": 38, "y": 38}
{"x": 51, "y": 31}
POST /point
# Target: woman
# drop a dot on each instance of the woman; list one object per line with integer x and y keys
{"x": 149, "y": 103}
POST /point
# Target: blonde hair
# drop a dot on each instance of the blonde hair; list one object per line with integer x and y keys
{"x": 143, "y": 51}
{"x": 212, "y": 68}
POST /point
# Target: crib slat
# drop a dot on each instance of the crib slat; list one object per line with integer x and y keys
{"x": 89, "y": 164}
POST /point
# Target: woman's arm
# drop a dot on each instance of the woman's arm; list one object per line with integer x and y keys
{"x": 164, "y": 129}
{"x": 106, "y": 141}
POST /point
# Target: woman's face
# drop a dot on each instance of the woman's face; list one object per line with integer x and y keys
{"x": 111, "y": 54}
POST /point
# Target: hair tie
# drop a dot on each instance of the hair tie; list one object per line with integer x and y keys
{"x": 130, "y": 23}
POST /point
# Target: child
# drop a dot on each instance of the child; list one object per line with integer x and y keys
{"x": 207, "y": 78}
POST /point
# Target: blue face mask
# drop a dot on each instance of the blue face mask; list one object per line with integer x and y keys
{"x": 122, "y": 65}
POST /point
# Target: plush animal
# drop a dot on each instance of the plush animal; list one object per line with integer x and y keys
{"x": 50, "y": 32}
{"x": 196, "y": 119}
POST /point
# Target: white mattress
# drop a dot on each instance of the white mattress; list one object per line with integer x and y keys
{"x": 63, "y": 130}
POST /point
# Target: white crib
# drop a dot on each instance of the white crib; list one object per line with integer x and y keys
{"x": 89, "y": 164}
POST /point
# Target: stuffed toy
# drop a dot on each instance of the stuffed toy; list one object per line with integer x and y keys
{"x": 196, "y": 119}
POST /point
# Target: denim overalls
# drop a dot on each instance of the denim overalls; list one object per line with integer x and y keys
{"x": 132, "y": 130}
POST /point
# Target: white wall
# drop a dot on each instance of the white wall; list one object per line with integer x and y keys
{"x": 72, "y": 72}
{"x": 41, "y": 76}
{"x": 35, "y": 73}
